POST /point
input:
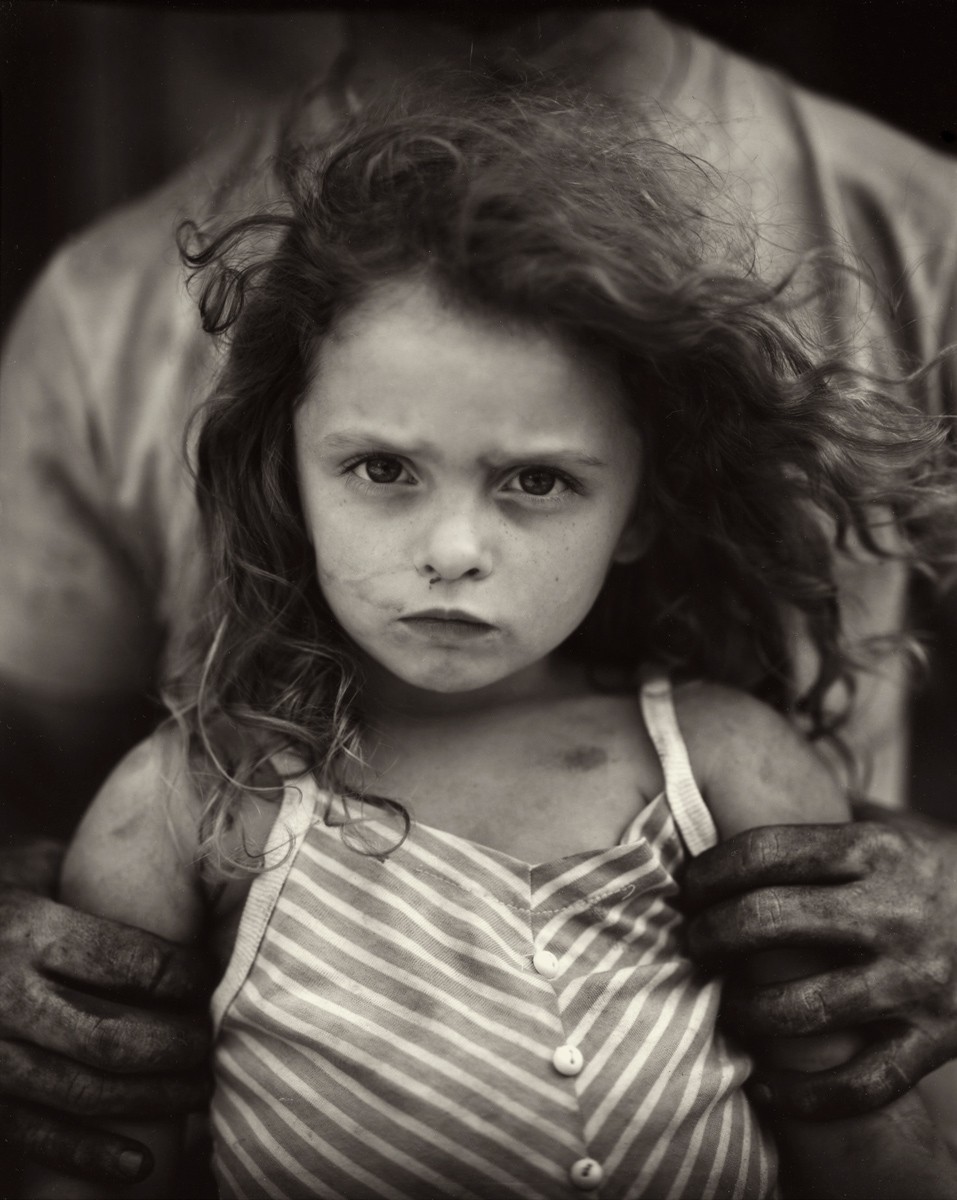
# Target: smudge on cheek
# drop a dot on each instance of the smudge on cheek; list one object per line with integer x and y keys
{"x": 374, "y": 588}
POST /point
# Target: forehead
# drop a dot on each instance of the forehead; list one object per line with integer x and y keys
{"x": 405, "y": 360}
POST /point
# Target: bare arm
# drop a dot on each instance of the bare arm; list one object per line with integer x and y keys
{"x": 63, "y": 1062}
{"x": 131, "y": 860}
{"x": 754, "y": 769}
{"x": 878, "y": 896}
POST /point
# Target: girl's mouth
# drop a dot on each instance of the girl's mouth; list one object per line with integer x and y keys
{"x": 452, "y": 623}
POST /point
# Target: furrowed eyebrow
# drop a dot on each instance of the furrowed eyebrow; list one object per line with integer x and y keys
{"x": 567, "y": 458}
{"x": 360, "y": 439}
{"x": 355, "y": 439}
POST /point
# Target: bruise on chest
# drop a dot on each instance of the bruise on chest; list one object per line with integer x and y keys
{"x": 583, "y": 758}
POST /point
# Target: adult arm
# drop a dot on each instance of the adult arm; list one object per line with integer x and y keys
{"x": 79, "y": 640}
{"x": 78, "y": 643}
{"x": 883, "y": 893}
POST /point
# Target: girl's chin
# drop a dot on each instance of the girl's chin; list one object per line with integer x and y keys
{"x": 450, "y": 687}
{"x": 447, "y": 684}
{"x": 444, "y": 673}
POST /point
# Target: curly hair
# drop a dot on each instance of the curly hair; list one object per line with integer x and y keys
{"x": 762, "y": 452}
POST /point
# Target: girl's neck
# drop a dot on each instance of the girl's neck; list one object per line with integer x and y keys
{"x": 389, "y": 703}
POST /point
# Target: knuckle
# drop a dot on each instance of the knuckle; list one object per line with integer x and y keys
{"x": 809, "y": 1010}
{"x": 758, "y": 850}
{"x": 887, "y": 1082}
{"x": 869, "y": 920}
{"x": 83, "y": 1094}
{"x": 939, "y": 971}
{"x": 762, "y": 915}
{"x": 792, "y": 1009}
{"x": 876, "y": 845}
{"x": 145, "y": 965}
{"x": 105, "y": 1044}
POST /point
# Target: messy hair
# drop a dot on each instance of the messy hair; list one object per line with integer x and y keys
{"x": 762, "y": 451}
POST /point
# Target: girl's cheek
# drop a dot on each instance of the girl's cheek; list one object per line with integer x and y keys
{"x": 364, "y": 581}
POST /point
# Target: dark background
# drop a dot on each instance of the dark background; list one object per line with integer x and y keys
{"x": 101, "y": 100}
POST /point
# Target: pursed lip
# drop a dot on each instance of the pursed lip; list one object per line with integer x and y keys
{"x": 448, "y": 614}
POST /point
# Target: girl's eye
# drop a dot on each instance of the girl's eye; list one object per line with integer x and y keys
{"x": 538, "y": 481}
{"x": 380, "y": 468}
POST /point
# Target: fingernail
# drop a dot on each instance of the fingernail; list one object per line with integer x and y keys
{"x": 130, "y": 1164}
{"x": 760, "y": 1093}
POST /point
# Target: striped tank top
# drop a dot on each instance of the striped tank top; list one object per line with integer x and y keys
{"x": 447, "y": 1021}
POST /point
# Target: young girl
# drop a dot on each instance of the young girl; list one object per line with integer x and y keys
{"x": 514, "y": 479}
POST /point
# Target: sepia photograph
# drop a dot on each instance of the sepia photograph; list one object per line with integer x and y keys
{"x": 478, "y": 600}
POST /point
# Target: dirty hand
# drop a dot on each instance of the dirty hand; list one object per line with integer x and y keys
{"x": 96, "y": 1020}
{"x": 878, "y": 898}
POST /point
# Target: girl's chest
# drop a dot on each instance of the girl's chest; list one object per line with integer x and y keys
{"x": 536, "y": 791}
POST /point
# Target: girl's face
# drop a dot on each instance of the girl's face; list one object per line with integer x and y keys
{"x": 466, "y": 486}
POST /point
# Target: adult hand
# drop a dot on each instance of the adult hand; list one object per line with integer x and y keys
{"x": 96, "y": 1020}
{"x": 879, "y": 898}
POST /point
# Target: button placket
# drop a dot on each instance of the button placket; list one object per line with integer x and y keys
{"x": 545, "y": 964}
{"x": 586, "y": 1174}
{"x": 568, "y": 1060}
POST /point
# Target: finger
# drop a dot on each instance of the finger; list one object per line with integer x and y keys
{"x": 770, "y": 918}
{"x": 74, "y": 1149}
{"x": 104, "y": 954}
{"x": 881, "y": 1073}
{"x": 37, "y": 1076}
{"x": 773, "y": 855}
{"x": 817, "y": 1004}
{"x": 106, "y": 1035}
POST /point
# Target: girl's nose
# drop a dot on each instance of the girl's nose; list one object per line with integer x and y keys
{"x": 452, "y": 549}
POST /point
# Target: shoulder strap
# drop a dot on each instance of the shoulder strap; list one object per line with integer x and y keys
{"x": 687, "y": 805}
{"x": 296, "y": 814}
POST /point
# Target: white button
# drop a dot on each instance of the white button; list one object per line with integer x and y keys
{"x": 568, "y": 1060}
{"x": 586, "y": 1174}
{"x": 545, "y": 963}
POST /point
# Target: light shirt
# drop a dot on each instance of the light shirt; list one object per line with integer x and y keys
{"x": 450, "y": 1021}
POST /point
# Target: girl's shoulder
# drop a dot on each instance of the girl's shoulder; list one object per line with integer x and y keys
{"x": 753, "y": 766}
{"x": 133, "y": 857}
